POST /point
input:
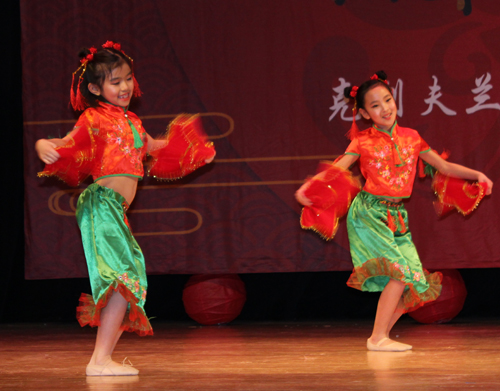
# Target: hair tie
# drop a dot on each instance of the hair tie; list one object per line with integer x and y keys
{"x": 354, "y": 91}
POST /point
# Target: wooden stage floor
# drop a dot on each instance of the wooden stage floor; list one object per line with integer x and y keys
{"x": 257, "y": 356}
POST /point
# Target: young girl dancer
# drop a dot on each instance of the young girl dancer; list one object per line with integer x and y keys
{"x": 382, "y": 250}
{"x": 109, "y": 142}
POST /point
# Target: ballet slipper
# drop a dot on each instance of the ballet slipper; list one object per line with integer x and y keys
{"x": 391, "y": 347}
{"x": 108, "y": 369}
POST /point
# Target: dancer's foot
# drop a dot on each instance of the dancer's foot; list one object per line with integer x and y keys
{"x": 111, "y": 368}
{"x": 387, "y": 345}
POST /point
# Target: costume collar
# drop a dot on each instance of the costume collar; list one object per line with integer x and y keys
{"x": 114, "y": 110}
{"x": 389, "y": 133}
{"x": 112, "y": 107}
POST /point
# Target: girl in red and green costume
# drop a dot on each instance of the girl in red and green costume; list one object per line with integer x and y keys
{"x": 383, "y": 254}
{"x": 109, "y": 143}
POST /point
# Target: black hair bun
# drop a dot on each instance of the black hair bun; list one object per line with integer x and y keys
{"x": 83, "y": 52}
{"x": 381, "y": 75}
{"x": 347, "y": 92}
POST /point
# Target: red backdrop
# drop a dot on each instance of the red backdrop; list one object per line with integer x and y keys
{"x": 265, "y": 75}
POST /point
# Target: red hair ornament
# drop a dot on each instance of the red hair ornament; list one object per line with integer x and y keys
{"x": 354, "y": 130}
{"x": 78, "y": 101}
{"x": 376, "y": 77}
{"x": 112, "y": 45}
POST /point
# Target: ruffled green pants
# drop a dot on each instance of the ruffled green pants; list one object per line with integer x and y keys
{"x": 114, "y": 259}
{"x": 379, "y": 254}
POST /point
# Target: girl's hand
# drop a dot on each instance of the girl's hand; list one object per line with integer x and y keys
{"x": 210, "y": 159}
{"x": 481, "y": 178}
{"x": 46, "y": 151}
{"x": 300, "y": 197}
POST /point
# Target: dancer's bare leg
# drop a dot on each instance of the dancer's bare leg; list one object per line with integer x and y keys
{"x": 117, "y": 338}
{"x": 400, "y": 310}
{"x": 386, "y": 311}
{"x": 109, "y": 331}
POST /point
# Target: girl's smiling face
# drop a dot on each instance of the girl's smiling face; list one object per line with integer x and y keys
{"x": 380, "y": 107}
{"x": 118, "y": 86}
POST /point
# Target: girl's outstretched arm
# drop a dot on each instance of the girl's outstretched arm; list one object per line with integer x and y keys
{"x": 456, "y": 170}
{"x": 46, "y": 150}
{"x": 155, "y": 144}
{"x": 345, "y": 162}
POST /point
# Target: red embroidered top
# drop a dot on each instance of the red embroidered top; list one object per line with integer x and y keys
{"x": 110, "y": 141}
{"x": 388, "y": 159}
{"x": 119, "y": 138}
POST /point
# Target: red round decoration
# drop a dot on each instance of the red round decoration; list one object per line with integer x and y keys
{"x": 448, "y": 304}
{"x": 214, "y": 299}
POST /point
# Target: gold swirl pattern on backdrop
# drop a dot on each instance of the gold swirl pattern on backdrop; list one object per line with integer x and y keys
{"x": 55, "y": 207}
{"x": 153, "y": 116}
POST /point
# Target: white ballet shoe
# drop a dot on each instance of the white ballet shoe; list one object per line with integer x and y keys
{"x": 391, "y": 347}
{"x": 110, "y": 368}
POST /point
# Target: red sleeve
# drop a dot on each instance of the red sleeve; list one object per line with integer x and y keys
{"x": 353, "y": 148}
{"x": 186, "y": 149}
{"x": 77, "y": 156}
{"x": 424, "y": 147}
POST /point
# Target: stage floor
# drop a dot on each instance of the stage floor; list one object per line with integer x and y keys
{"x": 257, "y": 356}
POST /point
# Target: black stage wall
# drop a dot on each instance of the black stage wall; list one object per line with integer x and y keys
{"x": 276, "y": 296}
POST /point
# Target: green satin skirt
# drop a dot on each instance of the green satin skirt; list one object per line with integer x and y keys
{"x": 379, "y": 253}
{"x": 114, "y": 259}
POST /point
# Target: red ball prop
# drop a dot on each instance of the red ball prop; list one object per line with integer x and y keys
{"x": 448, "y": 304}
{"x": 214, "y": 299}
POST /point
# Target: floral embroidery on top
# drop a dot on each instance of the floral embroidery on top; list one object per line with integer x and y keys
{"x": 397, "y": 177}
{"x": 118, "y": 135}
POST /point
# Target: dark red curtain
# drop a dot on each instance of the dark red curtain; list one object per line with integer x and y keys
{"x": 266, "y": 77}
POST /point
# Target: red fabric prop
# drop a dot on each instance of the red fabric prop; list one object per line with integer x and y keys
{"x": 454, "y": 193}
{"x": 214, "y": 299}
{"x": 76, "y": 161}
{"x": 187, "y": 149}
{"x": 331, "y": 195}
{"x": 448, "y": 304}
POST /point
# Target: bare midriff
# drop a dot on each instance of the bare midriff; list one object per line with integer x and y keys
{"x": 125, "y": 185}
